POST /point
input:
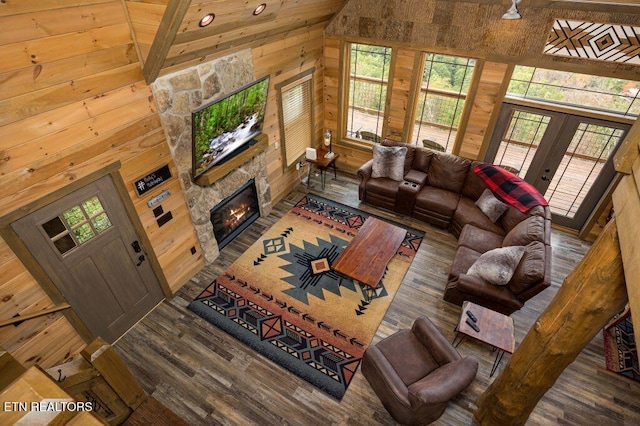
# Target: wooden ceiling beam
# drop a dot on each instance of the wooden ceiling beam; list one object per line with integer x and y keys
{"x": 171, "y": 21}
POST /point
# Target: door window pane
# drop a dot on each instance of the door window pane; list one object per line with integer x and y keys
{"x": 64, "y": 244}
{"x": 586, "y": 155}
{"x": 77, "y": 225}
{"x": 84, "y": 233}
{"x": 92, "y": 206}
{"x": 520, "y": 141}
{"x": 54, "y": 227}
{"x": 101, "y": 222}
{"x": 74, "y": 215}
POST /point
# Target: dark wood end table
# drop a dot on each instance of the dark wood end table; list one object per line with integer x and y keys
{"x": 322, "y": 164}
{"x": 496, "y": 329}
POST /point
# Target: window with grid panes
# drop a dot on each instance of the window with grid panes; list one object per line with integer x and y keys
{"x": 605, "y": 94}
{"x": 440, "y": 101}
{"x": 367, "y": 91}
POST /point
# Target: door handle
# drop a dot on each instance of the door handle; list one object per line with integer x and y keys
{"x": 141, "y": 259}
{"x": 136, "y": 246}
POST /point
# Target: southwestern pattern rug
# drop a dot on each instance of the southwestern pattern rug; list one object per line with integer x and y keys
{"x": 282, "y": 298}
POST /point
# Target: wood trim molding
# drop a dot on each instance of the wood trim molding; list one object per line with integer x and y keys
{"x": 468, "y": 106}
{"x": 496, "y": 111}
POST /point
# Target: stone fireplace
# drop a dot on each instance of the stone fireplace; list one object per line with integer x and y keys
{"x": 176, "y": 96}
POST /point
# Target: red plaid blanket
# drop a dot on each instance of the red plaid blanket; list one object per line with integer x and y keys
{"x": 510, "y": 188}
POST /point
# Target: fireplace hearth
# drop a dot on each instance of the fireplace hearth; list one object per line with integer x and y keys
{"x": 235, "y": 213}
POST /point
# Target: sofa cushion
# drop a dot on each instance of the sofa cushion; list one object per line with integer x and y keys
{"x": 467, "y": 213}
{"x": 511, "y": 218}
{"x": 448, "y": 172}
{"x": 411, "y": 149}
{"x": 529, "y": 230}
{"x": 388, "y": 162}
{"x": 497, "y": 266}
{"x": 422, "y": 160}
{"x": 530, "y": 270}
{"x": 491, "y": 206}
{"x": 383, "y": 186}
{"x": 473, "y": 184}
{"x": 437, "y": 200}
{"x": 479, "y": 239}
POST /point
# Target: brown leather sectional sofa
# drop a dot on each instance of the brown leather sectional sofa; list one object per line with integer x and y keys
{"x": 442, "y": 189}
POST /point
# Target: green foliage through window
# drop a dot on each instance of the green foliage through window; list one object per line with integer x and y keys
{"x": 613, "y": 95}
{"x": 445, "y": 82}
{"x": 368, "y": 79}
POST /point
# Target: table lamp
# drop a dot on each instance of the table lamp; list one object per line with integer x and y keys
{"x": 327, "y": 143}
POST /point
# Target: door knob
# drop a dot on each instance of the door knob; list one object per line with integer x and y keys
{"x": 141, "y": 259}
{"x": 544, "y": 177}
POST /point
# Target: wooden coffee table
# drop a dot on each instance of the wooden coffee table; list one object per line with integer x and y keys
{"x": 366, "y": 257}
{"x": 496, "y": 329}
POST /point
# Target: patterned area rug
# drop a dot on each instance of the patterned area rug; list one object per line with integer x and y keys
{"x": 282, "y": 298}
{"x": 620, "y": 352}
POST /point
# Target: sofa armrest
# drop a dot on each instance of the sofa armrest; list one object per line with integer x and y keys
{"x": 364, "y": 174}
{"x": 443, "y": 383}
{"x": 433, "y": 339}
{"x": 483, "y": 289}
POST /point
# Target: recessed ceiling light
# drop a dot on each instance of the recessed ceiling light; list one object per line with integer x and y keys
{"x": 207, "y": 19}
{"x": 258, "y": 10}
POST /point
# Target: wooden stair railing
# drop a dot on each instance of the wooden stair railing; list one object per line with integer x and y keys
{"x": 21, "y": 318}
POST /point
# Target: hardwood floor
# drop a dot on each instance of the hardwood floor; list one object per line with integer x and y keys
{"x": 208, "y": 377}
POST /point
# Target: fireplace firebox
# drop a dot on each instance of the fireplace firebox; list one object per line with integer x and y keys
{"x": 235, "y": 213}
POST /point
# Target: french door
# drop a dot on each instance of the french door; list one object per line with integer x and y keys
{"x": 87, "y": 245}
{"x": 567, "y": 157}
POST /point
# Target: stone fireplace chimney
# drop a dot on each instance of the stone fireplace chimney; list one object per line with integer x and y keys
{"x": 177, "y": 95}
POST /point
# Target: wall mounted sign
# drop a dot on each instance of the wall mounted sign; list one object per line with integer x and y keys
{"x": 153, "y": 179}
{"x": 588, "y": 40}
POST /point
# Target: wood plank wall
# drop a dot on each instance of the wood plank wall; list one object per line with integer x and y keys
{"x": 72, "y": 101}
{"x": 285, "y": 58}
{"x": 485, "y": 104}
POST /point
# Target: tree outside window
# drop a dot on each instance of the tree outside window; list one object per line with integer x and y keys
{"x": 443, "y": 90}
{"x": 367, "y": 92}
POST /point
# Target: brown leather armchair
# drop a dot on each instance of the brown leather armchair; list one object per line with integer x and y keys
{"x": 416, "y": 372}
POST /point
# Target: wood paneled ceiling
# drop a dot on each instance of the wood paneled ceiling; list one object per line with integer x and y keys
{"x": 169, "y": 37}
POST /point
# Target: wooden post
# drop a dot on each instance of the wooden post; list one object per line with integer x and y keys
{"x": 107, "y": 361}
{"x": 590, "y": 296}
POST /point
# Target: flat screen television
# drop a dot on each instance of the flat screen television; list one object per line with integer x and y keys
{"x": 226, "y": 127}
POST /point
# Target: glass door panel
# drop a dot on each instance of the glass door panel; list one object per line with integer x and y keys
{"x": 568, "y": 158}
{"x": 583, "y": 164}
{"x": 520, "y": 142}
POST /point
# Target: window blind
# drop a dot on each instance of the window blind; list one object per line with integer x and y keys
{"x": 296, "y": 99}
